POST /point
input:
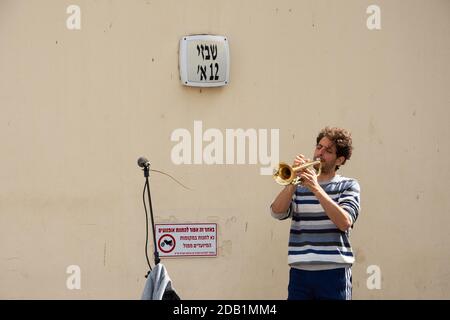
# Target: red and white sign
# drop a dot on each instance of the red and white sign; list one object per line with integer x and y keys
{"x": 187, "y": 240}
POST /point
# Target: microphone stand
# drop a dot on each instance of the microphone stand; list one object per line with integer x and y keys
{"x": 146, "y": 175}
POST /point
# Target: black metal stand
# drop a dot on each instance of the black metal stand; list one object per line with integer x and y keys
{"x": 146, "y": 170}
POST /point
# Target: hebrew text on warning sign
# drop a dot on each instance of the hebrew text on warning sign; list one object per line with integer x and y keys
{"x": 181, "y": 240}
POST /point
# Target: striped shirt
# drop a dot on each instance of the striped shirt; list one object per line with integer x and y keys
{"x": 315, "y": 243}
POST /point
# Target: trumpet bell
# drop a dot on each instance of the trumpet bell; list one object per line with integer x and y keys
{"x": 284, "y": 175}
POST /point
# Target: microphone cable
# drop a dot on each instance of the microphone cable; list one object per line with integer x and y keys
{"x": 146, "y": 229}
{"x": 146, "y": 216}
{"x": 162, "y": 172}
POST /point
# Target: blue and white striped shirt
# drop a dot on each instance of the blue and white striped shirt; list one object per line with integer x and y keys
{"x": 314, "y": 239}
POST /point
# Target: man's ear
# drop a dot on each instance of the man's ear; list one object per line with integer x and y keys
{"x": 340, "y": 161}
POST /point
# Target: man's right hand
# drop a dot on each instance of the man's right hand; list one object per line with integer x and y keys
{"x": 300, "y": 159}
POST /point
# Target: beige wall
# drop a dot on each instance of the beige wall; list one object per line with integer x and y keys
{"x": 79, "y": 107}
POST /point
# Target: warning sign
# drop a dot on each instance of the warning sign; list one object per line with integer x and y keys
{"x": 190, "y": 239}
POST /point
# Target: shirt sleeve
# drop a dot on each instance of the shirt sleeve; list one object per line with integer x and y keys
{"x": 349, "y": 200}
{"x": 281, "y": 216}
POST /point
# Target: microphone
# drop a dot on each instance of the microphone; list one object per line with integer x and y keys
{"x": 143, "y": 162}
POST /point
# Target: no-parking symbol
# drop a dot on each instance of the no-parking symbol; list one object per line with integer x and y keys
{"x": 166, "y": 243}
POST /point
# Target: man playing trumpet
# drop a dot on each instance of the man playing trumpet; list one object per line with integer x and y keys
{"x": 323, "y": 208}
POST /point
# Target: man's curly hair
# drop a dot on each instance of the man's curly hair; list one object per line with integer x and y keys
{"x": 341, "y": 138}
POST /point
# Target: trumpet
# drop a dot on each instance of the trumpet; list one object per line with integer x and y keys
{"x": 285, "y": 174}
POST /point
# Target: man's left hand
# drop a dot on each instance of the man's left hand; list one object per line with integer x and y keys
{"x": 309, "y": 179}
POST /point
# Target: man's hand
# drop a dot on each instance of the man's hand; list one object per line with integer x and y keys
{"x": 308, "y": 176}
{"x": 300, "y": 159}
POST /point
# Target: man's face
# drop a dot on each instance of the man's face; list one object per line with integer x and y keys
{"x": 326, "y": 152}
